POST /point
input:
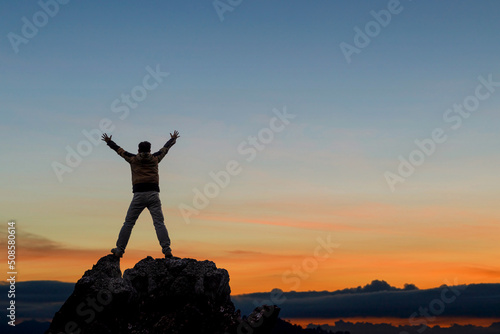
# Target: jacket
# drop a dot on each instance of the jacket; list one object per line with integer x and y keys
{"x": 144, "y": 166}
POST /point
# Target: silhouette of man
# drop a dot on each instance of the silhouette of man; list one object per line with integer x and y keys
{"x": 145, "y": 186}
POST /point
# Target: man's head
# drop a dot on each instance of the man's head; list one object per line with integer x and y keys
{"x": 144, "y": 146}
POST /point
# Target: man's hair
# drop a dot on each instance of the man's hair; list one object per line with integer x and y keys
{"x": 145, "y": 146}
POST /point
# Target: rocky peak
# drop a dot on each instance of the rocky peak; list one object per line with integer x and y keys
{"x": 156, "y": 296}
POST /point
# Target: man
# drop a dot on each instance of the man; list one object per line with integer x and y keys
{"x": 145, "y": 186}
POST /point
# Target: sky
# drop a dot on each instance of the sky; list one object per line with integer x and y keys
{"x": 323, "y": 144}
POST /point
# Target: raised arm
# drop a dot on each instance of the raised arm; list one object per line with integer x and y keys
{"x": 172, "y": 140}
{"x": 164, "y": 150}
{"x": 121, "y": 152}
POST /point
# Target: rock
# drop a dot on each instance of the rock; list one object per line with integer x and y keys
{"x": 261, "y": 321}
{"x": 157, "y": 296}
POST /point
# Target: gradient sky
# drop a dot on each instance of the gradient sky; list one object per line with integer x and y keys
{"x": 321, "y": 177}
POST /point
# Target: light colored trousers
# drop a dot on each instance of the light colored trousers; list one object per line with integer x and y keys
{"x": 140, "y": 201}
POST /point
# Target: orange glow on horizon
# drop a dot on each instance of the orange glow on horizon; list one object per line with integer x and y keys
{"x": 261, "y": 272}
{"x": 266, "y": 251}
{"x": 438, "y": 321}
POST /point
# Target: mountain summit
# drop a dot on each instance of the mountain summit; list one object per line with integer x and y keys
{"x": 156, "y": 296}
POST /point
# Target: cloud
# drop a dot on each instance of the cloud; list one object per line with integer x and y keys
{"x": 44, "y": 259}
{"x": 379, "y": 299}
{"x": 38, "y": 300}
{"x": 33, "y": 246}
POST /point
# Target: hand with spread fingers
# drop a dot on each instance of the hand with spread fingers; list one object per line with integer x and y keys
{"x": 106, "y": 138}
{"x": 175, "y": 135}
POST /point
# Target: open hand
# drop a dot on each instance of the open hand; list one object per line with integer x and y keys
{"x": 175, "y": 135}
{"x": 106, "y": 138}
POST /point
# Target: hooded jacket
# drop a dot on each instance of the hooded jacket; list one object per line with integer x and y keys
{"x": 144, "y": 166}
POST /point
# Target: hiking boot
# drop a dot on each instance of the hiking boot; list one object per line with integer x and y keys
{"x": 168, "y": 254}
{"x": 116, "y": 252}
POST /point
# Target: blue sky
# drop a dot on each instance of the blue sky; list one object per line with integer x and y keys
{"x": 326, "y": 168}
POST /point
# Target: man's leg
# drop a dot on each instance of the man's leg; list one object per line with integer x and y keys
{"x": 136, "y": 206}
{"x": 154, "y": 206}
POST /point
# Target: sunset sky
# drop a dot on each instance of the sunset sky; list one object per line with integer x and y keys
{"x": 329, "y": 174}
